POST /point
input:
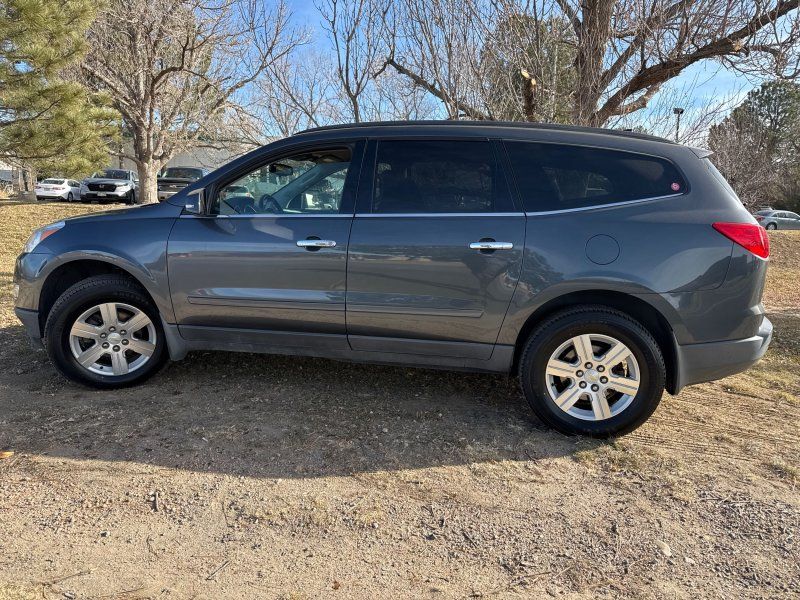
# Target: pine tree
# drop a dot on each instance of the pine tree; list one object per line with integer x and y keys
{"x": 46, "y": 120}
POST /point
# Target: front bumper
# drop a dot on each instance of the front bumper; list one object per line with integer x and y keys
{"x": 698, "y": 363}
{"x": 163, "y": 195}
{"x": 30, "y": 321}
{"x": 90, "y": 195}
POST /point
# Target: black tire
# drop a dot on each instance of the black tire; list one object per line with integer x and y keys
{"x": 559, "y": 328}
{"x": 771, "y": 226}
{"x": 81, "y": 297}
{"x": 70, "y": 197}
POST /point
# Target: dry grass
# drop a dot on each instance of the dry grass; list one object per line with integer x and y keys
{"x": 17, "y": 592}
{"x": 305, "y": 478}
{"x": 783, "y": 287}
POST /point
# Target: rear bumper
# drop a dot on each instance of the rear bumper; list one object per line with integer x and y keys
{"x": 698, "y": 363}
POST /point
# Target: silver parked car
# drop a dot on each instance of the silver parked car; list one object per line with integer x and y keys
{"x": 778, "y": 219}
{"x": 111, "y": 185}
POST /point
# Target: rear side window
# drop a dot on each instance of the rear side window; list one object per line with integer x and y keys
{"x": 561, "y": 177}
{"x": 437, "y": 176}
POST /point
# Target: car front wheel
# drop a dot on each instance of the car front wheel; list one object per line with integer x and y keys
{"x": 105, "y": 332}
{"x": 592, "y": 370}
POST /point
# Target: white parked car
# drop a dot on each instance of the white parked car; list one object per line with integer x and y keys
{"x": 63, "y": 189}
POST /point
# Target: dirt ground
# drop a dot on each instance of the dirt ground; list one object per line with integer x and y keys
{"x": 244, "y": 476}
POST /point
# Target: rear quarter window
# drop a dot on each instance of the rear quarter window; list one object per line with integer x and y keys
{"x": 562, "y": 177}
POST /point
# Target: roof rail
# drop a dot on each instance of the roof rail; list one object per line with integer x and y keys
{"x": 512, "y": 124}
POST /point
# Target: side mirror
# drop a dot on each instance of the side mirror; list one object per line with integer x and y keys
{"x": 195, "y": 204}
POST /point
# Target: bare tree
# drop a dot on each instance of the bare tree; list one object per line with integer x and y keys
{"x": 299, "y": 92}
{"x": 310, "y": 88}
{"x": 740, "y": 153}
{"x": 176, "y": 68}
{"x": 625, "y": 51}
{"x": 354, "y": 29}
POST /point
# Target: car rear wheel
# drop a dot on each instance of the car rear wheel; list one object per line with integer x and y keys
{"x": 771, "y": 226}
{"x": 592, "y": 370}
{"x": 105, "y": 332}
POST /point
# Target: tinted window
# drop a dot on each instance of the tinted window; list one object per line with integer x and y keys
{"x": 306, "y": 183}
{"x": 558, "y": 177}
{"x": 436, "y": 177}
{"x": 182, "y": 173}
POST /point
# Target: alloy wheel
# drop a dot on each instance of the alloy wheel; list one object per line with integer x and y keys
{"x": 112, "y": 339}
{"x": 592, "y": 377}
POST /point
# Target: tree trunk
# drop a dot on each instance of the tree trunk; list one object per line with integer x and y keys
{"x": 148, "y": 182}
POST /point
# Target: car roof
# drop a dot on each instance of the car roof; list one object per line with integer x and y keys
{"x": 410, "y": 126}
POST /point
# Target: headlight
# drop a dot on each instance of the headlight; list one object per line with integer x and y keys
{"x": 121, "y": 187}
{"x": 41, "y": 234}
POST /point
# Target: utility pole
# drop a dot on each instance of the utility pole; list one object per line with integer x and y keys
{"x": 677, "y": 112}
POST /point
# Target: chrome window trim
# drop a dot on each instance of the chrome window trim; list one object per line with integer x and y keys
{"x": 271, "y": 216}
{"x": 439, "y": 215}
{"x": 598, "y": 206}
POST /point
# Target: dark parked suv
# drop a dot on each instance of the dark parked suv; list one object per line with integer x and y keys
{"x": 602, "y": 267}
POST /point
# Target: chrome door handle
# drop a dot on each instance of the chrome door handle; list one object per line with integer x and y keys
{"x": 316, "y": 243}
{"x": 491, "y": 246}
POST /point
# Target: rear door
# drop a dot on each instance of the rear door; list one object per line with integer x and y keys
{"x": 267, "y": 264}
{"x": 435, "y": 249}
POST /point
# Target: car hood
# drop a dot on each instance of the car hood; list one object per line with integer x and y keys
{"x": 143, "y": 211}
{"x": 104, "y": 180}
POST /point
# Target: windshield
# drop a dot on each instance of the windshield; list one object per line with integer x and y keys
{"x": 183, "y": 173}
{"x": 54, "y": 181}
{"x": 111, "y": 174}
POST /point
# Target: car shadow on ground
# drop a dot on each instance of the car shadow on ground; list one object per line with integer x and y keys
{"x": 272, "y": 416}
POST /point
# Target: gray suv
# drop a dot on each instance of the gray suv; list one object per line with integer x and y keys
{"x": 601, "y": 267}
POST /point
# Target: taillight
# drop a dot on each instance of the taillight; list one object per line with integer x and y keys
{"x": 749, "y": 236}
{"x": 759, "y": 218}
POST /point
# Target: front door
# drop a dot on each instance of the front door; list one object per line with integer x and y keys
{"x": 267, "y": 263}
{"x": 435, "y": 250}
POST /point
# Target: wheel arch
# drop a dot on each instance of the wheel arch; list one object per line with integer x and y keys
{"x": 70, "y": 272}
{"x": 640, "y": 310}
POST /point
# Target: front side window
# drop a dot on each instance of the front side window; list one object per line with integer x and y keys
{"x": 560, "y": 177}
{"x": 439, "y": 176}
{"x": 310, "y": 183}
